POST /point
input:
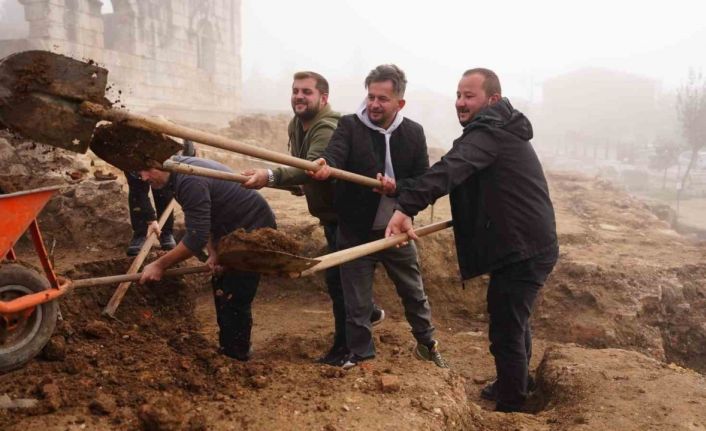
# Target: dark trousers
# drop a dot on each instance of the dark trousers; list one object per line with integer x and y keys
{"x": 511, "y": 294}
{"x": 141, "y": 210}
{"x": 335, "y": 291}
{"x": 402, "y": 266}
{"x": 233, "y": 293}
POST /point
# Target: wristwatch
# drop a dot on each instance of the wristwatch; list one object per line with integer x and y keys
{"x": 270, "y": 178}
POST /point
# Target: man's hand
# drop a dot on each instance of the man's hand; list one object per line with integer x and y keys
{"x": 400, "y": 223}
{"x": 212, "y": 260}
{"x": 388, "y": 185}
{"x": 152, "y": 272}
{"x": 323, "y": 173}
{"x": 153, "y": 228}
{"x": 258, "y": 178}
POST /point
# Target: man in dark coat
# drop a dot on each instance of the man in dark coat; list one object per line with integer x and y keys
{"x": 213, "y": 208}
{"x": 503, "y": 221}
{"x": 377, "y": 141}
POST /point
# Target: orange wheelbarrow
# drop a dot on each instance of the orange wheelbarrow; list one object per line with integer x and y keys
{"x": 27, "y": 311}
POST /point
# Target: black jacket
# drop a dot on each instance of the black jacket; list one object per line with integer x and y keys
{"x": 500, "y": 201}
{"x": 356, "y": 148}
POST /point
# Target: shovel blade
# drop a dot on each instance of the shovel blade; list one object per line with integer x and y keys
{"x": 265, "y": 261}
{"x": 40, "y": 93}
{"x": 132, "y": 149}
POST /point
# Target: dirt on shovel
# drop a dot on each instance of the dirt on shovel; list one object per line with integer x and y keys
{"x": 132, "y": 149}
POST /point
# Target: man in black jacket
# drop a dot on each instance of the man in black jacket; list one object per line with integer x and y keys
{"x": 503, "y": 221}
{"x": 213, "y": 208}
{"x": 376, "y": 140}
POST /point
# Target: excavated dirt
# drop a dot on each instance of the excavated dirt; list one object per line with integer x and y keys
{"x": 258, "y": 239}
{"x": 619, "y": 337}
{"x": 131, "y": 149}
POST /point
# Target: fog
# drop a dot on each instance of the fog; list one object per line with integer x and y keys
{"x": 598, "y": 79}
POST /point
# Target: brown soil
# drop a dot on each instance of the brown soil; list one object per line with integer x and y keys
{"x": 617, "y": 328}
{"x": 258, "y": 239}
{"x": 131, "y": 149}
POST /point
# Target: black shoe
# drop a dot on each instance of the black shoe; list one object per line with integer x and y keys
{"x": 352, "y": 360}
{"x": 166, "y": 241}
{"x": 490, "y": 391}
{"x": 334, "y": 356}
{"x": 238, "y": 354}
{"x": 136, "y": 243}
{"x": 377, "y": 317}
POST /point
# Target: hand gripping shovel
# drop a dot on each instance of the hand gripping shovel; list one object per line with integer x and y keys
{"x": 58, "y": 101}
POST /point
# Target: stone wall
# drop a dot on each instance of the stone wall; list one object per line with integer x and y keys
{"x": 178, "y": 58}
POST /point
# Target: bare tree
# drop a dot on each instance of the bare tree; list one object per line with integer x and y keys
{"x": 691, "y": 113}
{"x": 666, "y": 155}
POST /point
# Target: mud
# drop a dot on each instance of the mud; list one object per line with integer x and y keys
{"x": 131, "y": 149}
{"x": 258, "y": 239}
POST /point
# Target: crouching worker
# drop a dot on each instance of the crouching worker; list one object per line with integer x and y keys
{"x": 213, "y": 208}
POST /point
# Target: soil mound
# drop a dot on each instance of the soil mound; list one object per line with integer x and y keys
{"x": 258, "y": 239}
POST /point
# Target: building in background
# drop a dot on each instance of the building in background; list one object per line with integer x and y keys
{"x": 178, "y": 58}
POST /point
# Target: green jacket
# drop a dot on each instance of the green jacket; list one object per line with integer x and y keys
{"x": 310, "y": 145}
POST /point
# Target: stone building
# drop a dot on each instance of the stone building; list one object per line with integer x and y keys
{"x": 178, "y": 58}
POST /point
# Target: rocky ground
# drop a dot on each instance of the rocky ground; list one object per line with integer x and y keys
{"x": 620, "y": 332}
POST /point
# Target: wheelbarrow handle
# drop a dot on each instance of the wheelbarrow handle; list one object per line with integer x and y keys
{"x": 112, "y": 279}
{"x": 163, "y": 126}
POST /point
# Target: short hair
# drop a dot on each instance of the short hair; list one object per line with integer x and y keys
{"x": 321, "y": 82}
{"x": 491, "y": 84}
{"x": 388, "y": 72}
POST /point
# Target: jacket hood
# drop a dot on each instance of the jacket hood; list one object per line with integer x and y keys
{"x": 502, "y": 115}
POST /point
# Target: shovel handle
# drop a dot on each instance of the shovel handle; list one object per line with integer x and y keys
{"x": 163, "y": 126}
{"x": 183, "y": 168}
{"x": 343, "y": 256}
{"x": 112, "y": 279}
{"x": 151, "y": 239}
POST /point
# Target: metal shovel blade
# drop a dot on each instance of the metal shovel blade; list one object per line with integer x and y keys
{"x": 132, "y": 149}
{"x": 265, "y": 261}
{"x": 40, "y": 93}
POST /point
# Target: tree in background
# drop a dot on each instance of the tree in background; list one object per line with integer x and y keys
{"x": 666, "y": 155}
{"x": 691, "y": 113}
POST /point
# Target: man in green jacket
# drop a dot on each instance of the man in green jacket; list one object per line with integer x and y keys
{"x": 309, "y": 133}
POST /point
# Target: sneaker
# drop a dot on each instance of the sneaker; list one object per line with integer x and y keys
{"x": 166, "y": 241}
{"x": 237, "y": 354}
{"x": 351, "y": 360}
{"x": 335, "y": 356}
{"x": 490, "y": 391}
{"x": 377, "y": 317}
{"x": 426, "y": 353}
{"x": 136, "y": 243}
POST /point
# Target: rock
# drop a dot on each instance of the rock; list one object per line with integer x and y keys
{"x": 390, "y": 383}
{"x": 55, "y": 350}
{"x": 159, "y": 417}
{"x": 98, "y": 329}
{"x": 103, "y": 405}
{"x": 197, "y": 422}
{"x": 52, "y": 396}
{"x": 21, "y": 403}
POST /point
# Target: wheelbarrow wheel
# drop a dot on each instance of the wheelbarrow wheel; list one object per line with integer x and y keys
{"x": 21, "y": 338}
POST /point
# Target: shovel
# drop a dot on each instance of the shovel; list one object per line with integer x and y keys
{"x": 58, "y": 101}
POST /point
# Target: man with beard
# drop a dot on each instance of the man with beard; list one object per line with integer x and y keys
{"x": 212, "y": 209}
{"x": 503, "y": 222}
{"x": 309, "y": 133}
{"x": 375, "y": 140}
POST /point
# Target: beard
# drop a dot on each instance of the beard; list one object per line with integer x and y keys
{"x": 309, "y": 113}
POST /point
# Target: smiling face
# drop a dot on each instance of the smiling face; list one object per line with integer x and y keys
{"x": 382, "y": 103}
{"x": 471, "y": 97}
{"x": 307, "y": 100}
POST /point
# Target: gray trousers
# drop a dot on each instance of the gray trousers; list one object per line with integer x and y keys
{"x": 402, "y": 266}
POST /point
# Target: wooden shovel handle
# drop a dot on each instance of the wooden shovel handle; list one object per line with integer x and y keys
{"x": 112, "y": 279}
{"x": 120, "y": 291}
{"x": 183, "y": 168}
{"x": 343, "y": 256}
{"x": 163, "y": 126}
